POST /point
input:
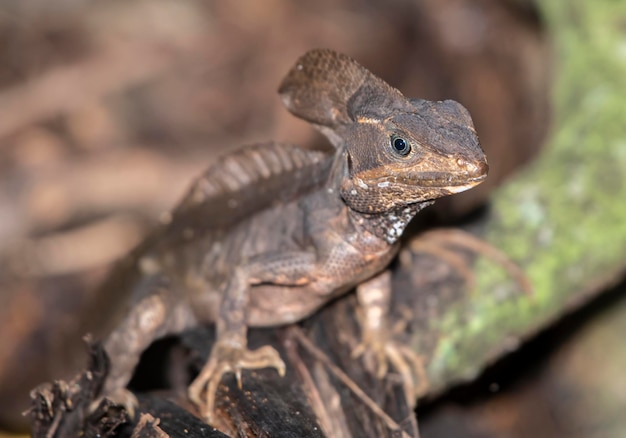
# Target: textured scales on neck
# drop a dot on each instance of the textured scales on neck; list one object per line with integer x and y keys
{"x": 390, "y": 225}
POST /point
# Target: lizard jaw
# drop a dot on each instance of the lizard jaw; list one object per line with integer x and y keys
{"x": 385, "y": 194}
{"x": 440, "y": 182}
{"x": 468, "y": 185}
{"x": 462, "y": 175}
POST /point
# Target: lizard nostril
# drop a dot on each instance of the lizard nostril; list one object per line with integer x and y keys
{"x": 472, "y": 168}
{"x": 482, "y": 168}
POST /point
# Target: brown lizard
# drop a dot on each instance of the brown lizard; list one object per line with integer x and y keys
{"x": 272, "y": 232}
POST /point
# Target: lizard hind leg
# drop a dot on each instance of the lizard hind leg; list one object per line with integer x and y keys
{"x": 230, "y": 353}
{"x": 152, "y": 317}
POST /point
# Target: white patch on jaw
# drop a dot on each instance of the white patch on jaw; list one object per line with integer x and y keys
{"x": 383, "y": 184}
{"x": 361, "y": 184}
{"x": 398, "y": 224}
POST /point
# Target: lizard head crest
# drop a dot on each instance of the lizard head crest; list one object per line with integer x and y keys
{"x": 330, "y": 89}
{"x": 395, "y": 151}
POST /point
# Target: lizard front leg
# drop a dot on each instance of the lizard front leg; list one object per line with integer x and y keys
{"x": 230, "y": 353}
{"x": 374, "y": 297}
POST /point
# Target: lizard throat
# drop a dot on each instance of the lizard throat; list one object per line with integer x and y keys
{"x": 390, "y": 225}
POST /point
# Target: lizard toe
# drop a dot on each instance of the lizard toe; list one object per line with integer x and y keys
{"x": 227, "y": 359}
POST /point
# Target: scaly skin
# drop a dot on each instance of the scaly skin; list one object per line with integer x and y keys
{"x": 272, "y": 232}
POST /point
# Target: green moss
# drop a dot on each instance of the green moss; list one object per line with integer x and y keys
{"x": 563, "y": 220}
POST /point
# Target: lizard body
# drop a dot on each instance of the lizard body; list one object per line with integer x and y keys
{"x": 271, "y": 232}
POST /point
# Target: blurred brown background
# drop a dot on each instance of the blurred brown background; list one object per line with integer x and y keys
{"x": 109, "y": 109}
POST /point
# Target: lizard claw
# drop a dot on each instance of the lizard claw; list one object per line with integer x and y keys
{"x": 228, "y": 359}
{"x": 379, "y": 348}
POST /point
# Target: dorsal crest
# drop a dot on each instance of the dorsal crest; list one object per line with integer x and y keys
{"x": 247, "y": 181}
{"x": 251, "y": 166}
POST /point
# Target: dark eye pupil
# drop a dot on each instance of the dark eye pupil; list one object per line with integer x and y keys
{"x": 400, "y": 145}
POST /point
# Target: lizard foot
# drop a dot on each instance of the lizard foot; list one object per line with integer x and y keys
{"x": 225, "y": 359}
{"x": 440, "y": 243}
{"x": 119, "y": 397}
{"x": 378, "y": 345}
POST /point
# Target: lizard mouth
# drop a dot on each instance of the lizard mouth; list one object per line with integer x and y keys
{"x": 467, "y": 175}
{"x": 454, "y": 177}
{"x": 453, "y": 183}
{"x": 446, "y": 180}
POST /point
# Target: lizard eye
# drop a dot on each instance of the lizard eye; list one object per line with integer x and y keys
{"x": 400, "y": 146}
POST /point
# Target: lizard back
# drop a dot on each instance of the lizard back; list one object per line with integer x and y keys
{"x": 235, "y": 188}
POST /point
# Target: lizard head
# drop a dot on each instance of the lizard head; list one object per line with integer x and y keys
{"x": 413, "y": 154}
{"x": 393, "y": 151}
